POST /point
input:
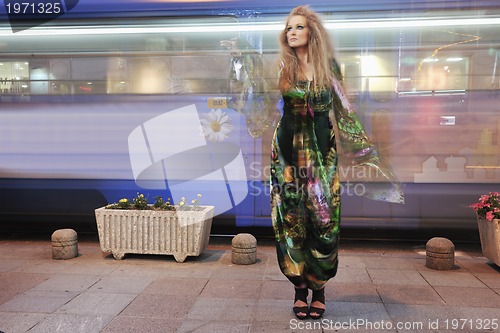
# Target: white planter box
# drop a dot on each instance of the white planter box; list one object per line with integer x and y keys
{"x": 489, "y": 233}
{"x": 177, "y": 233}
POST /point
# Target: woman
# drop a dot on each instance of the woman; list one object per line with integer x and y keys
{"x": 305, "y": 196}
{"x": 305, "y": 186}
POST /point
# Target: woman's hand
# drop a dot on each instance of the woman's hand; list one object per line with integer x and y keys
{"x": 232, "y": 46}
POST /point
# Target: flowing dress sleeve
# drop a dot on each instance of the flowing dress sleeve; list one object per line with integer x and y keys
{"x": 359, "y": 153}
{"x": 251, "y": 95}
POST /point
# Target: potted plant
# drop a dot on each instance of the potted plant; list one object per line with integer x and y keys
{"x": 488, "y": 219}
{"x": 135, "y": 226}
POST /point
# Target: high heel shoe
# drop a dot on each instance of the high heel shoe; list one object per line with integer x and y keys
{"x": 301, "y": 312}
{"x": 318, "y": 296}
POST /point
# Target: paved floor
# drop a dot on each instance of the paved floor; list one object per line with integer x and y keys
{"x": 380, "y": 287}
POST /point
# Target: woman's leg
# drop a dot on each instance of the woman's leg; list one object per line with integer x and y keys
{"x": 323, "y": 214}
{"x": 317, "y": 304}
{"x": 288, "y": 218}
{"x": 300, "y": 307}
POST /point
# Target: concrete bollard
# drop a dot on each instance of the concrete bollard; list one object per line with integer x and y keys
{"x": 64, "y": 244}
{"x": 244, "y": 249}
{"x": 440, "y": 254}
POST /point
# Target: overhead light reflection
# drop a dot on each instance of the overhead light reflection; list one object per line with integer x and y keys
{"x": 249, "y": 27}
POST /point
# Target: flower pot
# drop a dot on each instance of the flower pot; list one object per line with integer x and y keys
{"x": 489, "y": 234}
{"x": 177, "y": 233}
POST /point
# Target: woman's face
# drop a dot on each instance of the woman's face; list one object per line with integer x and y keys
{"x": 297, "y": 32}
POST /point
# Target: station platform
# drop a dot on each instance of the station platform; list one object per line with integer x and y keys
{"x": 380, "y": 287}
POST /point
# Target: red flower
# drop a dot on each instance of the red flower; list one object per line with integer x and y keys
{"x": 488, "y": 206}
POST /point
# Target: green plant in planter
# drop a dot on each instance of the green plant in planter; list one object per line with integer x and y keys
{"x": 195, "y": 203}
{"x": 141, "y": 202}
{"x": 122, "y": 204}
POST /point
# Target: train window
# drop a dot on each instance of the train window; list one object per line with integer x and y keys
{"x": 140, "y": 56}
{"x": 443, "y": 73}
{"x": 174, "y": 55}
{"x": 14, "y": 77}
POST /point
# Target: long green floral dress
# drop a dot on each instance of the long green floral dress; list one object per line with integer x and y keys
{"x": 305, "y": 195}
{"x": 305, "y": 185}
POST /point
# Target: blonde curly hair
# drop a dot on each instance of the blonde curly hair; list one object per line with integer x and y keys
{"x": 320, "y": 52}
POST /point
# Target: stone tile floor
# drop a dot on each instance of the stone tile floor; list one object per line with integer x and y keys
{"x": 380, "y": 287}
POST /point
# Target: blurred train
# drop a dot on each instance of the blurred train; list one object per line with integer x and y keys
{"x": 114, "y": 98}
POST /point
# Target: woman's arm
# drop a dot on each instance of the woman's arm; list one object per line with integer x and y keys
{"x": 378, "y": 179}
{"x": 249, "y": 89}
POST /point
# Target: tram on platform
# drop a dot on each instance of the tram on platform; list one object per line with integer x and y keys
{"x": 98, "y": 102}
